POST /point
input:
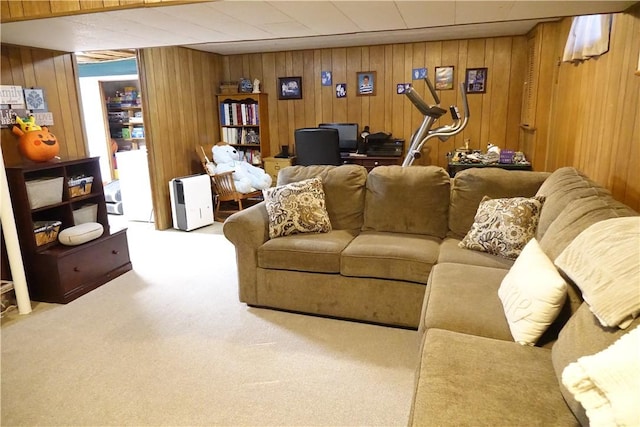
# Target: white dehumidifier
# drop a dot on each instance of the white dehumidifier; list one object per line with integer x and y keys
{"x": 191, "y": 202}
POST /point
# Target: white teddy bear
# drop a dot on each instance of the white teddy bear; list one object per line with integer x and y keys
{"x": 247, "y": 178}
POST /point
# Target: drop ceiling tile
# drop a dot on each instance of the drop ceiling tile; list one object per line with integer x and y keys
{"x": 256, "y": 12}
{"x": 421, "y": 14}
{"x": 471, "y": 12}
{"x": 322, "y": 17}
{"x": 288, "y": 29}
{"x": 372, "y": 16}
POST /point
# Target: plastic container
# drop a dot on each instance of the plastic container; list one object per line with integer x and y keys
{"x": 80, "y": 186}
{"x": 87, "y": 213}
{"x": 44, "y": 191}
{"x": 46, "y": 231}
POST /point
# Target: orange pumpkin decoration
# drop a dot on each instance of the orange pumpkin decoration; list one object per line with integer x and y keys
{"x": 36, "y": 143}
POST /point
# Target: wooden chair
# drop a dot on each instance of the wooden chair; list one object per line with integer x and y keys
{"x": 224, "y": 188}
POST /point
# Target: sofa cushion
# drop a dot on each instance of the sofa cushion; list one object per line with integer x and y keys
{"x": 450, "y": 251}
{"x": 578, "y": 215}
{"x": 297, "y": 207}
{"x": 344, "y": 188}
{"x": 317, "y": 252}
{"x": 467, "y": 380}
{"x": 607, "y": 384}
{"x": 471, "y": 185}
{"x": 582, "y": 336}
{"x": 604, "y": 262}
{"x": 561, "y": 189}
{"x": 504, "y": 226}
{"x": 390, "y": 256}
{"x": 464, "y": 298}
{"x": 532, "y": 294}
{"x": 421, "y": 191}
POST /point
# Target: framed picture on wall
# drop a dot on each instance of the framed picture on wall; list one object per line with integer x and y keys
{"x": 444, "y": 78}
{"x": 366, "y": 83}
{"x": 476, "y": 80}
{"x": 289, "y": 87}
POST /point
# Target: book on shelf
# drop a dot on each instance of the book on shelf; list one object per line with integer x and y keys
{"x": 235, "y": 113}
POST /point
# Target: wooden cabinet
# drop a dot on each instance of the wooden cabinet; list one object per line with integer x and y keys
{"x": 371, "y": 162}
{"x": 272, "y": 166}
{"x": 243, "y": 118}
{"x": 58, "y": 273}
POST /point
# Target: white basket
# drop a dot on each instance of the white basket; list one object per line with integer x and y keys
{"x": 44, "y": 191}
{"x": 87, "y": 213}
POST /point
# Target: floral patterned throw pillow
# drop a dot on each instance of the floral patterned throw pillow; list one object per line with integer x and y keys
{"x": 504, "y": 226}
{"x": 298, "y": 207}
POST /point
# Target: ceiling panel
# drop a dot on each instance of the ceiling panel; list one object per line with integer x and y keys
{"x": 321, "y": 17}
{"x": 372, "y": 16}
{"x": 421, "y": 14}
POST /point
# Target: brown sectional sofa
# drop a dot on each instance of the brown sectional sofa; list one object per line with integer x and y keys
{"x": 393, "y": 258}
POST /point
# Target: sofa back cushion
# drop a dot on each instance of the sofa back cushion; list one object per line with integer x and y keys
{"x": 344, "y": 189}
{"x": 471, "y": 185}
{"x": 572, "y": 203}
{"x": 582, "y": 336}
{"x": 407, "y": 200}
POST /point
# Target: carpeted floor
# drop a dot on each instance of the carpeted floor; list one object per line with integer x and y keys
{"x": 169, "y": 344}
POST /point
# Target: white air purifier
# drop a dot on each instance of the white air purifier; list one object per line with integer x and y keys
{"x": 191, "y": 202}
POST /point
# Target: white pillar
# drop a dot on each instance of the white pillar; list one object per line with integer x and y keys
{"x": 13, "y": 244}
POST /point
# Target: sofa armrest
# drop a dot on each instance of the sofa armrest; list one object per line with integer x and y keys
{"x": 247, "y": 230}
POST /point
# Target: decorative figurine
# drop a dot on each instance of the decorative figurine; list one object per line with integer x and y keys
{"x": 256, "y": 86}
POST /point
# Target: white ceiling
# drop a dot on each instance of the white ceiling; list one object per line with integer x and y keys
{"x": 231, "y": 27}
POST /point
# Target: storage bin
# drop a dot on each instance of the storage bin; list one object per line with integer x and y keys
{"x": 46, "y": 231}
{"x": 44, "y": 191}
{"x": 87, "y": 213}
{"x": 79, "y": 186}
{"x": 506, "y": 156}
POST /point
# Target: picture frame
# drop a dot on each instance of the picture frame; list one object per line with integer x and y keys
{"x": 289, "y": 88}
{"x": 366, "y": 83}
{"x": 419, "y": 73}
{"x": 325, "y": 78}
{"x": 341, "y": 90}
{"x": 444, "y": 77}
{"x": 476, "y": 80}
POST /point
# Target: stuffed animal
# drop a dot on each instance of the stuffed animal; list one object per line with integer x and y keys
{"x": 36, "y": 143}
{"x": 247, "y": 178}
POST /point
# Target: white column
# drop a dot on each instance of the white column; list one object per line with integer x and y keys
{"x": 13, "y": 244}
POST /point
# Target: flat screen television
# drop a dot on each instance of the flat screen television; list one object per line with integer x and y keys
{"x": 348, "y": 134}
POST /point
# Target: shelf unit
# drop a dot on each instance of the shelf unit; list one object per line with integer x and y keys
{"x": 58, "y": 273}
{"x": 241, "y": 113}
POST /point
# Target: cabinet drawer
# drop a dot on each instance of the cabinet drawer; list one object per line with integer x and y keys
{"x": 96, "y": 259}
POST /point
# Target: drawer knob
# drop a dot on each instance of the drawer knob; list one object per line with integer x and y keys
{"x": 376, "y": 163}
{"x": 115, "y": 252}
{"x": 76, "y": 269}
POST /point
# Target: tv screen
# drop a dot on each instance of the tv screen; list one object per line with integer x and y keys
{"x": 348, "y": 134}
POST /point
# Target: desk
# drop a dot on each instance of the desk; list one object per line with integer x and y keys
{"x": 370, "y": 162}
{"x": 455, "y": 167}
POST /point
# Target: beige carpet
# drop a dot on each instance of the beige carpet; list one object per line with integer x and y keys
{"x": 169, "y": 344}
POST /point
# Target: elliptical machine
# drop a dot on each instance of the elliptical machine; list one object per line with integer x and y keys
{"x": 431, "y": 114}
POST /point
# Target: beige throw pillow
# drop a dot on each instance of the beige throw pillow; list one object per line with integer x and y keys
{"x": 604, "y": 262}
{"x": 503, "y": 226}
{"x": 532, "y": 294}
{"x": 298, "y": 207}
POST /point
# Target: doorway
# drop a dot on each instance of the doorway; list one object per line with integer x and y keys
{"x": 112, "y": 107}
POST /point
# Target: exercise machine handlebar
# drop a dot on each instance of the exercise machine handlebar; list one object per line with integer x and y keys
{"x": 431, "y": 114}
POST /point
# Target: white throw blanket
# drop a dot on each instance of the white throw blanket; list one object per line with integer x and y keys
{"x": 607, "y": 384}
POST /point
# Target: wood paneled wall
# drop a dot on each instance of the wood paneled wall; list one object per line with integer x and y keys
{"x": 17, "y": 10}
{"x": 180, "y": 112}
{"x": 55, "y": 72}
{"x": 495, "y": 115}
{"x": 588, "y": 114}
